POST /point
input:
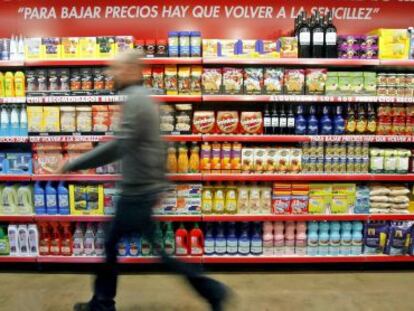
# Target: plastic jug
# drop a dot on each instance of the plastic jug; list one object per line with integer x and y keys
{"x": 196, "y": 241}
{"x": 146, "y": 247}
{"x": 24, "y": 200}
{"x": 4, "y": 243}
{"x": 19, "y": 84}
{"x": 44, "y": 240}
{"x": 231, "y": 246}
{"x": 23, "y": 121}
{"x": 100, "y": 241}
{"x": 4, "y": 121}
{"x": 9, "y": 199}
{"x": 39, "y": 199}
{"x": 209, "y": 240}
{"x": 230, "y": 206}
{"x": 290, "y": 238}
{"x": 23, "y": 238}
{"x": 13, "y": 236}
{"x": 55, "y": 241}
{"x": 78, "y": 238}
{"x": 169, "y": 240}
{"x": 33, "y": 240}
{"x": 63, "y": 199}
{"x": 323, "y": 243}
{"x": 51, "y": 199}
{"x": 268, "y": 238}
{"x": 67, "y": 245}
{"x": 181, "y": 241}
{"x": 301, "y": 238}
{"x": 279, "y": 238}
{"x": 220, "y": 240}
{"x": 346, "y": 238}
{"x": 89, "y": 241}
{"x": 243, "y": 244}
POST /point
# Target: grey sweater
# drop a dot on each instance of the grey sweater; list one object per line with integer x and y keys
{"x": 138, "y": 145}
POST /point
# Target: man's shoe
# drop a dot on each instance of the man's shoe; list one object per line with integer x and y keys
{"x": 83, "y": 306}
{"x": 219, "y": 304}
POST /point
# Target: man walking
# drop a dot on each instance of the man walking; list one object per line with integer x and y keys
{"x": 141, "y": 151}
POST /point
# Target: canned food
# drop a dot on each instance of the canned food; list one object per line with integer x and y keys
{"x": 391, "y": 79}
{"x": 382, "y": 90}
{"x": 409, "y": 92}
{"x": 401, "y": 91}
{"x": 381, "y": 78}
{"x": 400, "y": 79}
{"x": 409, "y": 79}
{"x": 350, "y": 165}
{"x": 391, "y": 91}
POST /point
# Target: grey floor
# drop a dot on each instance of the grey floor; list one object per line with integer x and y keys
{"x": 262, "y": 291}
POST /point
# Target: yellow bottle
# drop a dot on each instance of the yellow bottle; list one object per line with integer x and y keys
{"x": 219, "y": 200}
{"x": 195, "y": 159}
{"x": 1, "y": 84}
{"x": 207, "y": 200}
{"x": 9, "y": 84}
{"x": 172, "y": 160}
{"x": 19, "y": 84}
{"x": 230, "y": 206}
{"x": 183, "y": 159}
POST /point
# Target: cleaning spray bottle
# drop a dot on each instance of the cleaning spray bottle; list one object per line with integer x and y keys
{"x": 196, "y": 241}
{"x": 33, "y": 240}
{"x": 67, "y": 245}
{"x": 181, "y": 241}
{"x": 100, "y": 240}
{"x": 89, "y": 240}
{"x": 44, "y": 240}
{"x": 9, "y": 199}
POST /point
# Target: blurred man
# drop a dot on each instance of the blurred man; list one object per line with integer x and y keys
{"x": 143, "y": 159}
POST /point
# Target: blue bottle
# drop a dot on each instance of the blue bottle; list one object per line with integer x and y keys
{"x": 325, "y": 122}
{"x": 243, "y": 243}
{"x": 51, "y": 199}
{"x": 123, "y": 246}
{"x": 4, "y": 121}
{"x": 231, "y": 245}
{"x": 14, "y": 121}
{"x": 356, "y": 245}
{"x": 334, "y": 238}
{"x": 313, "y": 239}
{"x": 256, "y": 245}
{"x": 312, "y": 122}
{"x": 220, "y": 240}
{"x": 300, "y": 121}
{"x": 209, "y": 240}
{"x": 39, "y": 199}
{"x": 339, "y": 121}
{"x": 323, "y": 242}
{"x": 346, "y": 238}
{"x": 63, "y": 199}
{"x": 134, "y": 245}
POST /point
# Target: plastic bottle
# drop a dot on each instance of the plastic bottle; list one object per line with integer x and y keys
{"x": 209, "y": 240}
{"x": 289, "y": 238}
{"x": 325, "y": 122}
{"x": 146, "y": 247}
{"x": 218, "y": 201}
{"x": 230, "y": 205}
{"x": 9, "y": 89}
{"x": 63, "y": 199}
{"x": 220, "y": 242}
{"x": 183, "y": 161}
{"x": 196, "y": 241}
{"x": 5, "y": 52}
{"x": 256, "y": 245}
{"x": 300, "y": 121}
{"x": 44, "y": 240}
{"x": 4, "y": 243}
{"x": 243, "y": 244}
{"x": 346, "y": 238}
{"x": 55, "y": 241}
{"x": 279, "y": 238}
{"x": 357, "y": 237}
{"x": 9, "y": 199}
{"x": 133, "y": 246}
{"x": 66, "y": 242}
{"x": 339, "y": 121}
{"x": 4, "y": 121}
{"x": 268, "y": 238}
{"x": 78, "y": 238}
{"x": 123, "y": 246}
{"x": 13, "y": 240}
{"x": 194, "y": 162}
{"x": 24, "y": 200}
{"x": 312, "y": 122}
{"x": 20, "y": 48}
{"x": 100, "y": 240}
{"x": 89, "y": 241}
{"x": 23, "y": 130}
{"x": 334, "y": 238}
{"x": 231, "y": 241}
{"x": 266, "y": 200}
{"x": 2, "y": 89}
{"x": 51, "y": 199}
{"x": 39, "y": 199}
{"x": 169, "y": 240}
{"x": 19, "y": 84}
{"x": 255, "y": 200}
{"x": 207, "y": 200}
{"x": 23, "y": 238}
{"x": 181, "y": 241}
{"x": 13, "y": 48}
{"x": 313, "y": 238}
{"x": 323, "y": 243}
{"x": 158, "y": 240}
{"x": 33, "y": 240}
{"x": 243, "y": 203}
{"x": 301, "y": 239}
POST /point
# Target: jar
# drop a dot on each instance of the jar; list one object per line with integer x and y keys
{"x": 409, "y": 79}
{"x": 403, "y": 160}
{"x": 391, "y": 79}
{"x": 149, "y": 48}
{"x": 184, "y": 44}
{"x": 195, "y": 43}
{"x": 161, "y": 48}
{"x": 381, "y": 79}
{"x": 173, "y": 44}
{"x": 67, "y": 119}
{"x": 400, "y": 79}
{"x": 376, "y": 164}
{"x": 390, "y": 161}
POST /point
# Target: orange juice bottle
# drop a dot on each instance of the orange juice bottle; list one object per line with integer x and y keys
{"x": 172, "y": 160}
{"x": 183, "y": 159}
{"x": 195, "y": 158}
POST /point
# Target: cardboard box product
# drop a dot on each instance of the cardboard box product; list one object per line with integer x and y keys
{"x": 87, "y": 47}
{"x": 226, "y": 48}
{"x": 247, "y": 160}
{"x": 35, "y": 119}
{"x": 332, "y": 83}
{"x": 51, "y": 119}
{"x": 393, "y": 43}
{"x": 33, "y": 48}
{"x": 300, "y": 198}
{"x": 71, "y": 47}
{"x": 51, "y": 48}
{"x": 210, "y": 47}
{"x": 370, "y": 83}
{"x": 320, "y": 198}
{"x": 189, "y": 190}
{"x": 281, "y": 198}
{"x": 86, "y": 199}
{"x": 259, "y": 162}
{"x": 236, "y": 154}
{"x": 105, "y": 47}
{"x": 123, "y": 43}
{"x": 343, "y": 198}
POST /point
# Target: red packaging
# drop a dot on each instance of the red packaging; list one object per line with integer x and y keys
{"x": 227, "y": 122}
{"x": 251, "y": 122}
{"x": 281, "y": 198}
{"x": 300, "y": 199}
{"x": 384, "y": 125}
{"x": 147, "y": 77}
{"x": 204, "y": 122}
{"x": 398, "y": 126}
{"x": 409, "y": 126}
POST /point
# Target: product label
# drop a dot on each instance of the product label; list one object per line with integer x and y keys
{"x": 291, "y": 122}
{"x": 51, "y": 200}
{"x": 220, "y": 246}
{"x": 283, "y": 122}
{"x": 63, "y": 201}
{"x": 330, "y": 38}
{"x": 209, "y": 246}
{"x": 304, "y": 38}
{"x": 231, "y": 246}
{"x": 257, "y": 247}
{"x": 318, "y": 38}
{"x": 267, "y": 122}
{"x": 275, "y": 122}
{"x": 244, "y": 246}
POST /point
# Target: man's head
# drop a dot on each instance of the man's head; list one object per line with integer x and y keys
{"x": 126, "y": 68}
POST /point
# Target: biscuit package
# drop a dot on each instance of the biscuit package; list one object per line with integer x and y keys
{"x": 232, "y": 80}
{"x": 294, "y": 81}
{"x": 211, "y": 80}
{"x": 253, "y": 80}
{"x": 273, "y": 80}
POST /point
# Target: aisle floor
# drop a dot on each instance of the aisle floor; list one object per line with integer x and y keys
{"x": 262, "y": 291}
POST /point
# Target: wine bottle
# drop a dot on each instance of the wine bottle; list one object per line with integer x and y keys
{"x": 267, "y": 121}
{"x": 304, "y": 37}
{"x": 331, "y": 49}
{"x": 317, "y": 37}
{"x": 282, "y": 120}
{"x": 275, "y": 120}
{"x": 290, "y": 121}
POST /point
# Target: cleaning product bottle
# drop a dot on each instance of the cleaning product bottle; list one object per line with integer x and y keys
{"x": 220, "y": 240}
{"x": 44, "y": 240}
{"x": 256, "y": 245}
{"x": 209, "y": 240}
{"x": 2, "y": 90}
{"x": 231, "y": 242}
{"x": 13, "y": 240}
{"x": 357, "y": 237}
{"x": 4, "y": 121}
{"x": 323, "y": 243}
{"x": 39, "y": 199}
{"x": 63, "y": 199}
{"x": 219, "y": 200}
{"x": 279, "y": 238}
{"x": 123, "y": 246}
{"x": 268, "y": 238}
{"x": 301, "y": 238}
{"x": 23, "y": 121}
{"x": 290, "y": 238}
{"x": 100, "y": 240}
{"x": 134, "y": 245}
{"x": 51, "y": 199}
{"x": 243, "y": 203}
{"x": 313, "y": 238}
{"x": 5, "y": 52}
{"x": 339, "y": 121}
{"x": 312, "y": 122}
{"x": 19, "y": 84}
{"x": 255, "y": 199}
{"x": 33, "y": 240}
{"x": 335, "y": 238}
{"x": 9, "y": 90}
{"x": 9, "y": 199}
{"x": 158, "y": 240}
{"x": 243, "y": 243}
{"x": 230, "y": 205}
{"x": 181, "y": 241}
{"x": 89, "y": 241}
{"x": 23, "y": 238}
{"x": 4, "y": 243}
{"x": 346, "y": 238}
{"x": 266, "y": 200}
{"x": 325, "y": 126}
{"x": 196, "y": 241}
{"x": 24, "y": 200}
{"x": 66, "y": 241}
{"x": 55, "y": 240}
{"x": 169, "y": 240}
{"x": 14, "y": 121}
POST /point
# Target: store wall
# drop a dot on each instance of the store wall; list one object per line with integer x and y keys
{"x": 216, "y": 19}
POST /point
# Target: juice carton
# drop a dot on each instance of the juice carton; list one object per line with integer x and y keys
{"x": 247, "y": 158}
{"x": 236, "y": 155}
{"x": 259, "y": 162}
{"x": 320, "y": 198}
{"x": 300, "y": 198}
{"x": 281, "y": 198}
{"x": 226, "y": 158}
{"x": 343, "y": 198}
{"x": 205, "y": 158}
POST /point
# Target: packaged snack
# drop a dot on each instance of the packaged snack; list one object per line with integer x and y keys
{"x": 320, "y": 198}
{"x": 109, "y": 84}
{"x": 205, "y": 158}
{"x": 51, "y": 117}
{"x": 368, "y": 52}
{"x": 42, "y": 81}
{"x": 282, "y": 160}
{"x": 273, "y": 80}
{"x": 210, "y": 47}
{"x": 227, "y": 122}
{"x": 281, "y": 199}
{"x": 392, "y": 43}
{"x": 288, "y": 47}
{"x": 226, "y": 157}
{"x": 300, "y": 199}
{"x": 295, "y": 160}
{"x": 64, "y": 77}
{"x": 259, "y": 164}
{"x": 247, "y": 160}
{"x": 211, "y": 80}
{"x": 397, "y": 242}
{"x": 68, "y": 119}
{"x": 87, "y": 79}
{"x": 253, "y": 80}
{"x": 369, "y": 41}
{"x": 171, "y": 80}
{"x": 100, "y": 118}
{"x": 375, "y": 237}
{"x": 204, "y": 122}
{"x": 183, "y": 118}
{"x": 251, "y": 122}
{"x": 348, "y": 40}
{"x": 33, "y": 48}
{"x": 294, "y": 81}
{"x": 270, "y": 160}
{"x": 147, "y": 77}
{"x": 315, "y": 81}
{"x": 98, "y": 80}
{"x": 47, "y": 162}
{"x": 349, "y": 52}
{"x": 184, "y": 80}
{"x": 236, "y": 153}
{"x": 154, "y": 80}
{"x": 123, "y": 43}
{"x": 196, "y": 80}
{"x": 87, "y": 47}
{"x": 150, "y": 48}
{"x": 75, "y": 80}
{"x": 83, "y": 119}
{"x": 70, "y": 47}
{"x": 247, "y": 47}
{"x": 114, "y": 117}
{"x": 343, "y": 198}
{"x": 216, "y": 157}
{"x": 53, "y": 80}
{"x": 332, "y": 83}
{"x": 31, "y": 81}
{"x": 35, "y": 119}
{"x": 232, "y": 80}
{"x": 105, "y": 47}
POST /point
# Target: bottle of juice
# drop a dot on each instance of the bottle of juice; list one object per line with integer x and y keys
{"x": 205, "y": 158}
{"x": 19, "y": 84}
{"x": 207, "y": 200}
{"x": 194, "y": 158}
{"x": 230, "y": 206}
{"x": 183, "y": 159}
{"x": 55, "y": 241}
{"x": 78, "y": 239}
{"x": 44, "y": 240}
{"x": 196, "y": 241}
{"x": 172, "y": 159}
{"x": 9, "y": 89}
{"x": 268, "y": 238}
{"x": 67, "y": 246}
{"x": 169, "y": 240}
{"x": 181, "y": 241}
{"x": 219, "y": 200}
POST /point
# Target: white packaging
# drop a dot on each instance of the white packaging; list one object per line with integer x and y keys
{"x": 33, "y": 240}
{"x": 23, "y": 240}
{"x": 13, "y": 240}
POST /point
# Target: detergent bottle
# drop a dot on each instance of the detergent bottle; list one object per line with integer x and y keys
{"x": 181, "y": 241}
{"x": 158, "y": 240}
{"x": 334, "y": 238}
{"x": 231, "y": 239}
{"x": 134, "y": 245}
{"x": 13, "y": 240}
{"x": 23, "y": 238}
{"x": 169, "y": 240}
{"x": 146, "y": 247}
{"x": 323, "y": 243}
{"x": 39, "y": 199}
{"x": 268, "y": 238}
{"x": 243, "y": 244}
{"x": 209, "y": 240}
{"x": 78, "y": 239}
{"x": 230, "y": 206}
{"x": 4, "y": 121}
{"x": 196, "y": 241}
{"x": 301, "y": 239}
{"x": 23, "y": 121}
{"x": 9, "y": 89}
{"x": 67, "y": 245}
{"x": 63, "y": 199}
{"x": 100, "y": 240}
{"x": 24, "y": 200}
{"x": 33, "y": 240}
{"x": 279, "y": 238}
{"x": 256, "y": 245}
{"x": 19, "y": 84}
{"x": 51, "y": 199}
{"x": 313, "y": 238}
{"x": 4, "y": 243}
{"x": 44, "y": 240}
{"x": 9, "y": 199}
{"x": 219, "y": 200}
{"x": 89, "y": 240}
{"x": 14, "y": 121}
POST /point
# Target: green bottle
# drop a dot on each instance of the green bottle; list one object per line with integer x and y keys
{"x": 169, "y": 240}
{"x": 158, "y": 240}
{"x": 4, "y": 243}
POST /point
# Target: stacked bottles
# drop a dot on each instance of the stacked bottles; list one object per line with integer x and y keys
{"x": 50, "y": 200}
{"x": 13, "y": 120}
{"x": 22, "y": 240}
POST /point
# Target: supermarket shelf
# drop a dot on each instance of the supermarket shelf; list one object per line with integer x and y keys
{"x": 70, "y": 259}
{"x": 16, "y": 218}
{"x": 177, "y": 98}
{"x": 256, "y": 138}
{"x": 12, "y": 100}
{"x": 183, "y": 218}
{"x": 15, "y": 259}
{"x": 173, "y": 138}
{"x": 15, "y": 177}
{"x": 75, "y": 99}
{"x": 397, "y": 62}
{"x": 172, "y": 61}
{"x": 14, "y": 139}
{"x": 67, "y": 62}
{"x": 71, "y": 218}
{"x": 69, "y": 138}
{"x": 76, "y": 177}
{"x": 11, "y": 63}
{"x": 185, "y": 177}
{"x": 291, "y": 61}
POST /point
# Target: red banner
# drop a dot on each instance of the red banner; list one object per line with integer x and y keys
{"x": 215, "y": 19}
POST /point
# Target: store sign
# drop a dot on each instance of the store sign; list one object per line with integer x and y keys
{"x": 232, "y": 19}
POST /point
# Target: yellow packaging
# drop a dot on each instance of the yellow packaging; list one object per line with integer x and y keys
{"x": 411, "y": 203}
{"x": 282, "y": 160}
{"x": 343, "y": 198}
{"x": 2, "y": 85}
{"x": 33, "y": 48}
{"x": 87, "y": 47}
{"x": 51, "y": 48}
{"x": 230, "y": 206}
{"x": 19, "y": 84}
{"x": 320, "y": 198}
{"x": 105, "y": 47}
{"x": 219, "y": 200}
{"x": 51, "y": 117}
{"x": 9, "y": 90}
{"x": 35, "y": 118}
{"x": 393, "y": 43}
{"x": 207, "y": 200}
{"x": 225, "y": 158}
{"x": 71, "y": 47}
{"x": 210, "y": 47}
{"x": 270, "y": 160}
{"x": 247, "y": 158}
{"x": 295, "y": 160}
{"x": 259, "y": 163}
{"x": 78, "y": 203}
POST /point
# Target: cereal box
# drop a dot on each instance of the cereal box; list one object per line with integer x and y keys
{"x": 281, "y": 198}
{"x": 236, "y": 154}
{"x": 171, "y": 80}
{"x": 294, "y": 81}
{"x": 211, "y": 80}
{"x": 35, "y": 118}
{"x": 105, "y": 47}
{"x": 204, "y": 122}
{"x": 184, "y": 80}
{"x": 247, "y": 158}
{"x": 232, "y": 80}
{"x": 300, "y": 198}
{"x": 320, "y": 198}
{"x": 273, "y": 80}
{"x": 226, "y": 47}
{"x": 288, "y": 47}
{"x": 251, "y": 122}
{"x": 253, "y": 80}
{"x": 210, "y": 47}
{"x": 227, "y": 122}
